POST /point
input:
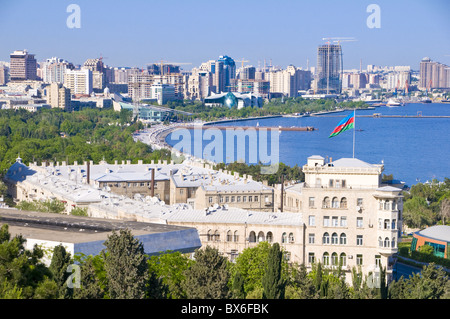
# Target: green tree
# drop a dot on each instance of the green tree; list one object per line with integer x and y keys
{"x": 90, "y": 285}
{"x": 272, "y": 281}
{"x": 20, "y": 268}
{"x": 170, "y": 268}
{"x": 125, "y": 266}
{"x": 207, "y": 277}
{"x": 416, "y": 212}
{"x": 251, "y": 263}
{"x": 430, "y": 283}
{"x": 61, "y": 259}
{"x": 238, "y": 286}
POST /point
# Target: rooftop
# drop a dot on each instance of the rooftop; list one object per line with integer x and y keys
{"x": 439, "y": 232}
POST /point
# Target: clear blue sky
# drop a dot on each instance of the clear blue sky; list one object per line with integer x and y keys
{"x": 133, "y": 32}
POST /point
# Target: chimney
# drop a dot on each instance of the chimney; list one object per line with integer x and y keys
{"x": 88, "y": 171}
{"x": 152, "y": 191}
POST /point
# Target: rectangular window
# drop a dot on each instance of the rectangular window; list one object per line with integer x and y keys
{"x": 359, "y": 240}
{"x": 343, "y": 221}
{"x": 256, "y": 198}
{"x": 238, "y": 199}
{"x": 344, "y": 184}
{"x": 334, "y": 221}
{"x": 359, "y": 202}
{"x": 359, "y": 260}
{"x": 244, "y": 198}
{"x": 326, "y": 221}
{"x": 311, "y": 258}
{"x": 227, "y": 199}
{"x": 232, "y": 199}
{"x": 377, "y": 260}
{"x": 210, "y": 199}
{"x": 359, "y": 222}
{"x": 250, "y": 198}
{"x": 311, "y": 238}
{"x": 312, "y": 220}
{"x": 311, "y": 202}
{"x": 331, "y": 183}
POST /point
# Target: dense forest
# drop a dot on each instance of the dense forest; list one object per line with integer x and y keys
{"x": 123, "y": 271}
{"x": 55, "y": 135}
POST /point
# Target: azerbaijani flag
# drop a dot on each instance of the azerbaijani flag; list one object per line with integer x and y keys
{"x": 344, "y": 125}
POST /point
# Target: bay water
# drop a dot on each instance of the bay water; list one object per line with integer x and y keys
{"x": 412, "y": 149}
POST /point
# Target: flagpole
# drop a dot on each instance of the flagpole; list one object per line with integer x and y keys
{"x": 354, "y": 130}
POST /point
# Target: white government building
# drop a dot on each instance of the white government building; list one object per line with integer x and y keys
{"x": 341, "y": 215}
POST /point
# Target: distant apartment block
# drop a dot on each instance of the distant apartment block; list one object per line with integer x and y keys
{"x": 23, "y": 66}
{"x": 433, "y": 75}
{"x": 59, "y": 96}
{"x": 3, "y": 74}
{"x": 54, "y": 69}
{"x": 78, "y": 81}
{"x": 289, "y": 81}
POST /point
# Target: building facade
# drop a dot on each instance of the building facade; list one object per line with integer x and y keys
{"x": 433, "y": 75}
{"x": 58, "y": 96}
{"x": 23, "y": 66}
{"x": 328, "y": 69}
{"x": 78, "y": 81}
{"x": 351, "y": 218}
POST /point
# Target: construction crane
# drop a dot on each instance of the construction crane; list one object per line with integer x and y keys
{"x": 162, "y": 62}
{"x": 337, "y": 40}
{"x": 242, "y": 61}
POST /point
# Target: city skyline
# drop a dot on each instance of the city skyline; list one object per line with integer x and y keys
{"x": 137, "y": 33}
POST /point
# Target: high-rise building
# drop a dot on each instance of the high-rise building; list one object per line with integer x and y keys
{"x": 53, "y": 70}
{"x": 78, "y": 81}
{"x": 229, "y": 72}
{"x": 139, "y": 86}
{"x": 98, "y": 73}
{"x": 433, "y": 75}
{"x": 3, "y": 74}
{"x": 23, "y": 66}
{"x": 58, "y": 96}
{"x": 289, "y": 81}
{"x": 329, "y": 68}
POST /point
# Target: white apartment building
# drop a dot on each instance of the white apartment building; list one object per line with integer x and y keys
{"x": 78, "y": 81}
{"x": 350, "y": 217}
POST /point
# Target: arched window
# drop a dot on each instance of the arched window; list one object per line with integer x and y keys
{"x": 326, "y": 259}
{"x": 229, "y": 235}
{"x": 335, "y": 202}
{"x": 260, "y": 236}
{"x": 252, "y": 237}
{"x": 216, "y": 236}
{"x": 386, "y": 205}
{"x": 386, "y": 242}
{"x": 326, "y": 239}
{"x": 284, "y": 238}
{"x": 393, "y": 243}
{"x": 236, "y": 236}
{"x": 269, "y": 237}
{"x": 291, "y": 237}
{"x": 326, "y": 202}
{"x": 334, "y": 259}
{"x": 209, "y": 236}
{"x": 334, "y": 239}
{"x": 343, "y": 259}
{"x": 380, "y": 242}
{"x": 343, "y": 239}
{"x": 343, "y": 202}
